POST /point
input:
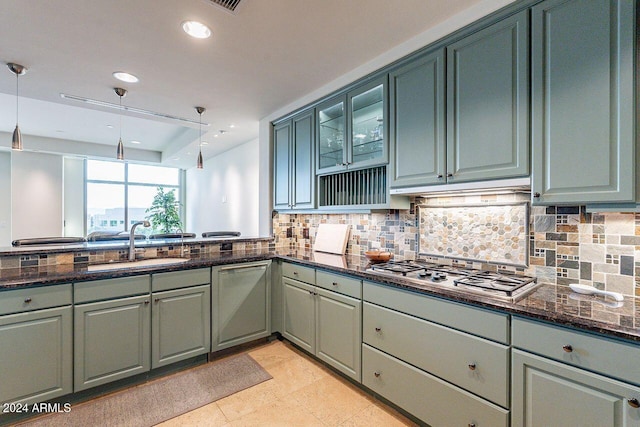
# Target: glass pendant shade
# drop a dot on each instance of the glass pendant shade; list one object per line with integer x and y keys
{"x": 120, "y": 154}
{"x": 16, "y": 139}
{"x": 200, "y": 165}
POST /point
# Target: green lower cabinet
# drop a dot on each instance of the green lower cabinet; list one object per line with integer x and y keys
{"x": 36, "y": 353}
{"x": 299, "y": 308}
{"x": 324, "y": 323}
{"x": 241, "y": 304}
{"x": 111, "y": 340}
{"x": 548, "y": 393}
{"x": 432, "y": 400}
{"x": 180, "y": 324}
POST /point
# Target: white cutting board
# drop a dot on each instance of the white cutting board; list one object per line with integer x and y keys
{"x": 332, "y": 238}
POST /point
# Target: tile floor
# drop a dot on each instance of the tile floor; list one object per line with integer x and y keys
{"x": 302, "y": 393}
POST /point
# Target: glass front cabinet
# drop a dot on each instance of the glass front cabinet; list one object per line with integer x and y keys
{"x": 352, "y": 129}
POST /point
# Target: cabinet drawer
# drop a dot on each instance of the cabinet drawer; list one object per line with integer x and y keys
{"x": 180, "y": 279}
{"x": 97, "y": 290}
{"x": 434, "y": 401}
{"x": 473, "y": 363}
{"x": 297, "y": 272}
{"x": 338, "y": 283}
{"x": 477, "y": 321}
{"x": 609, "y": 357}
{"x": 30, "y": 299}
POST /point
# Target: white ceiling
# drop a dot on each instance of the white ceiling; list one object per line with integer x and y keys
{"x": 261, "y": 58}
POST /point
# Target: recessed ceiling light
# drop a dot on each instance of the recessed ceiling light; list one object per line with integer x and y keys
{"x": 205, "y": 143}
{"x": 125, "y": 77}
{"x": 110, "y": 126}
{"x": 135, "y": 142}
{"x": 232, "y": 125}
{"x": 196, "y": 29}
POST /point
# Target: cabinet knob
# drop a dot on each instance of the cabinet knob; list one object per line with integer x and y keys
{"x": 376, "y": 374}
{"x": 440, "y": 176}
{"x": 378, "y": 329}
{"x": 157, "y": 300}
{"x": 567, "y": 348}
{"x": 295, "y": 273}
{"x": 146, "y": 302}
{"x": 335, "y": 283}
{"x": 27, "y": 300}
{"x": 472, "y": 424}
{"x": 449, "y": 175}
{"x": 633, "y": 402}
{"x": 536, "y": 195}
{"x": 472, "y": 366}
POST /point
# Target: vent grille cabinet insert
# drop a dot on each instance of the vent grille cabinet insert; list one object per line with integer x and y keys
{"x": 227, "y": 4}
{"x": 360, "y": 187}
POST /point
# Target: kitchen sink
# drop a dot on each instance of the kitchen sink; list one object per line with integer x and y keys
{"x": 135, "y": 264}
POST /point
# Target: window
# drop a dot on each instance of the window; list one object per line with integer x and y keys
{"x": 118, "y": 194}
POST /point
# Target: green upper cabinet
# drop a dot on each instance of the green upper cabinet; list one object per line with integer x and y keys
{"x": 351, "y": 129}
{"x": 488, "y": 103}
{"x": 583, "y": 101}
{"x": 417, "y": 111}
{"x": 294, "y": 172}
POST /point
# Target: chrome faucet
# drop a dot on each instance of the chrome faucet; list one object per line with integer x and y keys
{"x": 132, "y": 240}
{"x": 179, "y": 230}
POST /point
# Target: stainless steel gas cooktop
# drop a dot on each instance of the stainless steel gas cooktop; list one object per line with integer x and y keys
{"x": 502, "y": 286}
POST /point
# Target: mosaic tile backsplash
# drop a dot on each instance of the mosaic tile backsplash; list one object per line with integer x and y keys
{"x": 484, "y": 233}
{"x": 566, "y": 244}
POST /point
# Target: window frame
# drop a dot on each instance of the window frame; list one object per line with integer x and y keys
{"x": 126, "y": 183}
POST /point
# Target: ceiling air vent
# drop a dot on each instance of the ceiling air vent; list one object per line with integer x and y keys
{"x": 230, "y": 5}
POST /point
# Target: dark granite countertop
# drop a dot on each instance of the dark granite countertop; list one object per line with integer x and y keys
{"x": 549, "y": 303}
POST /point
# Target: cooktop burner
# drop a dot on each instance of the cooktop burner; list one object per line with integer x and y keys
{"x": 503, "y": 286}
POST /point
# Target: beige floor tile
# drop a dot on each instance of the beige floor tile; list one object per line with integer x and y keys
{"x": 272, "y": 354}
{"x": 249, "y": 400}
{"x": 331, "y": 400}
{"x": 206, "y": 416}
{"x": 295, "y": 374}
{"x": 280, "y": 413}
{"x": 378, "y": 415}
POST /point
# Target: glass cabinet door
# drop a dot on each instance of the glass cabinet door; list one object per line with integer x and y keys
{"x": 368, "y": 126}
{"x": 331, "y": 136}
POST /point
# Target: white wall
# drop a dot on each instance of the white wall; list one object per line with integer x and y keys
{"x": 36, "y": 195}
{"x": 74, "y": 212}
{"x": 223, "y": 196}
{"x": 5, "y": 198}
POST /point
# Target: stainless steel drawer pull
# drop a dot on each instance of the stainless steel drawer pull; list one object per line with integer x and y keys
{"x": 376, "y": 374}
{"x": 567, "y": 348}
{"x": 633, "y": 402}
{"x": 27, "y": 300}
{"x": 472, "y": 366}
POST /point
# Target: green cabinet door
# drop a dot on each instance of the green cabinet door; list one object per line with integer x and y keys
{"x": 180, "y": 324}
{"x": 303, "y": 174}
{"x": 36, "y": 353}
{"x": 293, "y": 162}
{"x": 417, "y": 104}
{"x": 548, "y": 393}
{"x": 111, "y": 340}
{"x": 299, "y": 314}
{"x": 282, "y": 165}
{"x": 339, "y": 331}
{"x": 583, "y": 101}
{"x": 241, "y": 303}
{"x": 488, "y": 103}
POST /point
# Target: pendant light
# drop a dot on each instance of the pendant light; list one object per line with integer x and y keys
{"x": 199, "y": 163}
{"x": 120, "y": 92}
{"x": 16, "y": 140}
